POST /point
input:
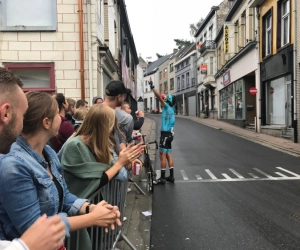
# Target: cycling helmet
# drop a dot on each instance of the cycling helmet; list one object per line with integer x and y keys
{"x": 171, "y": 100}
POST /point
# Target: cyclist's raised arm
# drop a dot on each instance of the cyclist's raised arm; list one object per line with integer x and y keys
{"x": 158, "y": 96}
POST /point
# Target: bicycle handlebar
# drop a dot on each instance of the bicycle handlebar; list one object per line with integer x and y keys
{"x": 152, "y": 142}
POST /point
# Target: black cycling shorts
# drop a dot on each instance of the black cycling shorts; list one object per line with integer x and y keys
{"x": 166, "y": 139}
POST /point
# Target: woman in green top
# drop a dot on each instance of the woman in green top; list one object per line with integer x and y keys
{"x": 87, "y": 156}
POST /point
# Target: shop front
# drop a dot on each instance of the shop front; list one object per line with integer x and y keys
{"x": 277, "y": 94}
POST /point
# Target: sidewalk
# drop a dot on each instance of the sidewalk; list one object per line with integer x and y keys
{"x": 137, "y": 227}
{"x": 266, "y": 140}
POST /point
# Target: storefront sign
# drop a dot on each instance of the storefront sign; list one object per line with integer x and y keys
{"x": 226, "y": 38}
{"x": 226, "y": 78}
{"x": 203, "y": 69}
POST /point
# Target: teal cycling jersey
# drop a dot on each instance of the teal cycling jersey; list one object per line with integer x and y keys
{"x": 167, "y": 118}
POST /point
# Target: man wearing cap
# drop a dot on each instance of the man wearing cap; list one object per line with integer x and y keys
{"x": 166, "y": 136}
{"x": 116, "y": 93}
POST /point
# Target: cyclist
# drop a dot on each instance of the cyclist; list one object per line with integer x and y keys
{"x": 166, "y": 135}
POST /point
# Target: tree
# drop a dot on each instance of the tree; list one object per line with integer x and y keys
{"x": 180, "y": 43}
{"x": 158, "y": 55}
{"x": 195, "y": 26}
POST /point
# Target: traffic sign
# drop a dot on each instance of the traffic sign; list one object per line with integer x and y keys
{"x": 253, "y": 91}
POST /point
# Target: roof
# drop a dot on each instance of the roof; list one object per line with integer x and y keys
{"x": 206, "y": 20}
{"x": 228, "y": 18}
{"x": 153, "y": 67}
{"x": 125, "y": 20}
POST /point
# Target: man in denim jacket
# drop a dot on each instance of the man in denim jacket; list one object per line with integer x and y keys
{"x": 46, "y": 234}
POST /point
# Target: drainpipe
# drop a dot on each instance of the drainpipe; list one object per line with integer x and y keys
{"x": 295, "y": 122}
{"x": 80, "y": 14}
{"x": 88, "y": 5}
{"x": 258, "y": 80}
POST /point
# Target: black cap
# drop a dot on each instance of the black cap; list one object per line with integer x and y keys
{"x": 115, "y": 88}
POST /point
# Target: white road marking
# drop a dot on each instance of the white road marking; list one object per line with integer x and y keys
{"x": 253, "y": 175}
{"x": 285, "y": 170}
{"x": 198, "y": 177}
{"x": 263, "y": 173}
{"x": 226, "y": 176}
{"x": 236, "y": 173}
{"x": 280, "y": 174}
{"x": 211, "y": 174}
{"x": 241, "y": 180}
{"x": 184, "y": 176}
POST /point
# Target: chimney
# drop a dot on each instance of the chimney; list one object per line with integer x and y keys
{"x": 175, "y": 50}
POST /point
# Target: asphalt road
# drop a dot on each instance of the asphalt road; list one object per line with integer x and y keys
{"x": 229, "y": 193}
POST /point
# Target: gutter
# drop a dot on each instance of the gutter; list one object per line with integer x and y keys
{"x": 294, "y": 94}
{"x": 82, "y": 86}
{"x": 90, "y": 75}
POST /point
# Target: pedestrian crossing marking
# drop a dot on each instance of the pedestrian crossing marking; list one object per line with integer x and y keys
{"x": 236, "y": 173}
{"x": 213, "y": 178}
{"x": 263, "y": 173}
{"x": 226, "y": 176}
{"x": 280, "y": 174}
{"x": 253, "y": 175}
{"x": 184, "y": 176}
{"x": 285, "y": 170}
{"x": 211, "y": 174}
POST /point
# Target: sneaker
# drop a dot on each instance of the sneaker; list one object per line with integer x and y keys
{"x": 159, "y": 181}
{"x": 170, "y": 179}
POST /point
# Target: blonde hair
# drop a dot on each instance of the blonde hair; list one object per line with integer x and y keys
{"x": 97, "y": 130}
{"x": 80, "y": 114}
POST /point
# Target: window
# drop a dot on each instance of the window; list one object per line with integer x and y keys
{"x": 187, "y": 62}
{"x": 160, "y": 88}
{"x": 171, "y": 67}
{"x": 178, "y": 83}
{"x": 29, "y": 15}
{"x": 182, "y": 82}
{"x": 166, "y": 86}
{"x": 165, "y": 72}
{"x": 285, "y": 23}
{"x": 160, "y": 75}
{"x": 204, "y": 37}
{"x": 37, "y": 77}
{"x": 172, "y": 84}
{"x": 211, "y": 65}
{"x": 187, "y": 80}
{"x": 267, "y": 33}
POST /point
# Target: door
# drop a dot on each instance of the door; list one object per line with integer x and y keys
{"x": 288, "y": 105}
{"x": 192, "y": 106}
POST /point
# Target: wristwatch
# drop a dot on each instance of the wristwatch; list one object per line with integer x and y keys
{"x": 87, "y": 208}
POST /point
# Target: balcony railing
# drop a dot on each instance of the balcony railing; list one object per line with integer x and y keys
{"x": 208, "y": 44}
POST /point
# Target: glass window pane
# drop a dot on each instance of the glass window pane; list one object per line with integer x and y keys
{"x": 30, "y": 13}
{"x": 34, "y": 78}
{"x": 285, "y": 31}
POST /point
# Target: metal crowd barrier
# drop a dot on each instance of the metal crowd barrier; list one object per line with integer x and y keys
{"x": 115, "y": 194}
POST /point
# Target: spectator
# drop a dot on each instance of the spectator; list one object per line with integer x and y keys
{"x": 116, "y": 93}
{"x": 97, "y": 99}
{"x": 87, "y": 158}
{"x": 41, "y": 185}
{"x": 82, "y": 104}
{"x": 71, "y": 110}
{"x": 79, "y": 117}
{"x": 45, "y": 233}
{"x": 140, "y": 115}
{"x": 66, "y": 129}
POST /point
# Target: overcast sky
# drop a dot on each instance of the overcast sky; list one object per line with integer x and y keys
{"x": 156, "y": 23}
